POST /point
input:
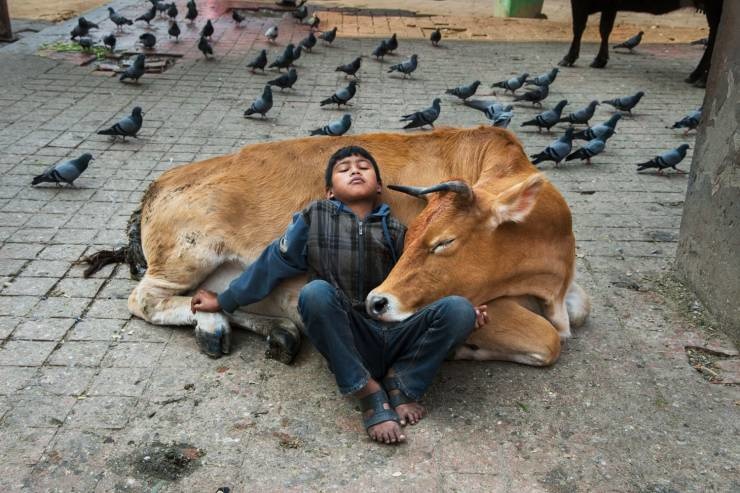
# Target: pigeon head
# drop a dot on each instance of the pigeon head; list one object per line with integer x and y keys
{"x": 593, "y": 104}
{"x": 508, "y": 108}
{"x": 111, "y": 11}
{"x": 267, "y": 92}
{"x": 614, "y": 119}
{"x": 639, "y": 94}
{"x": 83, "y": 161}
{"x": 346, "y": 119}
{"x": 561, "y": 104}
{"x": 683, "y": 148}
{"x": 524, "y": 76}
{"x": 414, "y": 57}
{"x": 641, "y": 33}
{"x": 436, "y": 102}
{"x": 554, "y": 71}
{"x": 393, "y": 37}
{"x": 475, "y": 84}
{"x": 137, "y": 111}
{"x": 352, "y": 83}
{"x": 140, "y": 58}
{"x": 568, "y": 133}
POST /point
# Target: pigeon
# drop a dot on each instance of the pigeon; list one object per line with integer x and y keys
{"x": 126, "y": 127}
{"x": 192, "y": 11}
{"x": 284, "y": 60}
{"x": 328, "y": 36}
{"x": 668, "y": 159}
{"x": 503, "y": 118}
{"x": 547, "y": 119}
{"x": 86, "y": 43}
{"x": 86, "y": 24}
{"x": 148, "y": 16}
{"x": 174, "y": 30}
{"x": 110, "y": 41}
{"x": 172, "y": 11}
{"x": 435, "y": 37}
{"x": 237, "y": 17}
{"x": 262, "y": 104}
{"x": 300, "y": 13}
{"x": 312, "y": 22}
{"x": 285, "y": 81}
{"x": 258, "y": 62}
{"x": 136, "y": 70}
{"x": 118, "y": 20}
{"x": 64, "y": 172}
{"x": 350, "y": 68}
{"x": 534, "y": 96}
{"x": 207, "y": 30}
{"x": 405, "y": 67}
{"x": 392, "y": 43}
{"x": 464, "y": 92}
{"x": 381, "y": 50}
{"x": 205, "y": 47}
{"x": 424, "y": 117}
{"x": 161, "y": 7}
{"x": 689, "y": 122}
{"x": 342, "y": 96}
{"x": 271, "y": 34}
{"x": 335, "y": 128}
{"x": 592, "y": 148}
{"x": 601, "y": 131}
{"x": 81, "y": 29}
{"x": 557, "y": 150}
{"x": 309, "y": 41}
{"x": 290, "y": 3}
{"x": 511, "y": 84}
{"x": 583, "y": 115}
{"x": 632, "y": 42}
{"x": 296, "y": 54}
{"x": 625, "y": 103}
{"x": 148, "y": 40}
{"x": 489, "y": 108}
{"x": 544, "y": 79}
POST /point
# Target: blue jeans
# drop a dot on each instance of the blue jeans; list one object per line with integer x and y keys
{"x": 358, "y": 347}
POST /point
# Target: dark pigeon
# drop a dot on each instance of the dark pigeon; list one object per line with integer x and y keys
{"x": 308, "y": 42}
{"x": 406, "y": 67}
{"x": 126, "y": 127}
{"x": 632, "y": 42}
{"x": 136, "y": 70}
{"x": 296, "y": 54}
{"x": 582, "y": 115}
{"x": 335, "y": 127}
{"x": 435, "y": 37}
{"x": 174, "y": 30}
{"x": 87, "y": 24}
{"x": 82, "y": 28}
{"x": 381, "y": 50}
{"x": 557, "y": 150}
{"x": 172, "y": 11}
{"x": 86, "y": 43}
{"x": 148, "y": 16}
{"x": 207, "y": 30}
{"x": 300, "y": 13}
{"x": 625, "y": 103}
{"x": 258, "y": 62}
{"x": 109, "y": 40}
{"x": 205, "y": 47}
{"x": 464, "y": 92}
{"x": 421, "y": 118}
{"x": 511, "y": 84}
{"x": 285, "y": 81}
{"x": 392, "y": 43}
{"x": 591, "y": 149}
{"x": 328, "y": 36}
{"x": 148, "y": 40}
{"x": 544, "y": 79}
{"x": 350, "y": 68}
{"x": 192, "y": 13}
{"x": 64, "y": 172}
{"x": 262, "y": 104}
{"x": 601, "y": 131}
{"x": 689, "y": 122}
{"x": 668, "y": 159}
{"x": 547, "y": 119}
{"x": 118, "y": 20}
{"x": 342, "y": 96}
{"x": 237, "y": 17}
{"x": 284, "y": 60}
{"x": 534, "y": 96}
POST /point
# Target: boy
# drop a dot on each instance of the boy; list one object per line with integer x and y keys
{"x": 348, "y": 245}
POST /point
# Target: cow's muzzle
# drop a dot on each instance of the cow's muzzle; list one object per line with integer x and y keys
{"x": 384, "y": 307}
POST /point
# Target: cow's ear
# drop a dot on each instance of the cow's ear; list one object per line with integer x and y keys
{"x": 516, "y": 202}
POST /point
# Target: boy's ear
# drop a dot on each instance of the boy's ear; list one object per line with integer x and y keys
{"x": 330, "y": 194}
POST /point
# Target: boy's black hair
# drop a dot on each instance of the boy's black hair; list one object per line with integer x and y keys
{"x": 346, "y": 152}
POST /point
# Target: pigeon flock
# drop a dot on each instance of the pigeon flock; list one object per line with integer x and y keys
{"x": 534, "y": 90}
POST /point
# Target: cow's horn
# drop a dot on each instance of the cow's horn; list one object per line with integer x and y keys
{"x": 446, "y": 186}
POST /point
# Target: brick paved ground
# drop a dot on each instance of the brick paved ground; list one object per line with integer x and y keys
{"x": 85, "y": 390}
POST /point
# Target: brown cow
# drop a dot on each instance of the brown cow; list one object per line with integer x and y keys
{"x": 200, "y": 224}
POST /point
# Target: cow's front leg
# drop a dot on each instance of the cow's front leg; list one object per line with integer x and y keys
{"x": 580, "y": 16}
{"x": 212, "y": 333}
{"x": 283, "y": 335}
{"x": 699, "y": 76}
{"x": 605, "y": 29}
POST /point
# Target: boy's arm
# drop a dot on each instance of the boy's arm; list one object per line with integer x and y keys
{"x": 283, "y": 258}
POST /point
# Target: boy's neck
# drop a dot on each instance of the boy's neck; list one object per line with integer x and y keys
{"x": 361, "y": 208}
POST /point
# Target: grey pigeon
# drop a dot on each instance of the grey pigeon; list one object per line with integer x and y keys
{"x": 589, "y": 150}
{"x": 335, "y": 127}
{"x": 162, "y": 7}
{"x": 258, "y": 62}
{"x": 109, "y": 40}
{"x": 82, "y": 28}
{"x": 205, "y": 47}
{"x": 262, "y": 104}
{"x": 126, "y": 127}
{"x": 309, "y": 41}
{"x": 406, "y": 67}
{"x": 511, "y": 84}
{"x": 172, "y": 11}
{"x": 271, "y": 34}
{"x": 435, "y": 37}
{"x": 534, "y": 96}
{"x": 544, "y": 79}
{"x": 503, "y": 118}
{"x": 284, "y": 60}
{"x": 174, "y": 30}
{"x": 86, "y": 24}
{"x": 350, "y": 68}
{"x": 237, "y": 17}
{"x": 285, "y": 81}
{"x": 424, "y": 117}
{"x": 557, "y": 150}
{"x": 147, "y": 16}
{"x": 328, "y": 36}
{"x": 381, "y": 50}
{"x": 689, "y": 122}
{"x": 547, "y": 119}
{"x": 136, "y": 70}
{"x": 86, "y": 43}
{"x": 207, "y": 30}
{"x": 118, "y": 20}
{"x": 601, "y": 131}
{"x": 632, "y": 42}
{"x": 300, "y": 13}
{"x": 148, "y": 40}
{"x": 64, "y": 172}
{"x": 296, "y": 54}
{"x": 464, "y": 92}
{"x": 489, "y": 108}
{"x": 192, "y": 11}
{"x": 625, "y": 103}
{"x": 668, "y": 159}
{"x": 582, "y": 115}
{"x": 392, "y": 43}
{"x": 342, "y": 96}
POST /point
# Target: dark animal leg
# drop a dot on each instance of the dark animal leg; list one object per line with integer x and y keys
{"x": 605, "y": 29}
{"x": 699, "y": 75}
{"x": 580, "y": 16}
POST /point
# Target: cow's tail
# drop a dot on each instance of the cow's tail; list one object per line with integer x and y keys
{"x": 132, "y": 254}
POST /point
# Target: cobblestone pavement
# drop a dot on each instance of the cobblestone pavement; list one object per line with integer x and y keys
{"x": 92, "y": 399}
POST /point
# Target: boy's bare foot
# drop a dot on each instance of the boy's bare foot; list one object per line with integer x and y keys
{"x": 411, "y": 412}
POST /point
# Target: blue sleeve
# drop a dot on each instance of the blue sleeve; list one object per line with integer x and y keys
{"x": 283, "y": 258}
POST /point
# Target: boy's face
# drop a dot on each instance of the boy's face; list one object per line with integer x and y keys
{"x": 353, "y": 179}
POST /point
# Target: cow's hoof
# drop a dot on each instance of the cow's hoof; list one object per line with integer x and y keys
{"x": 282, "y": 345}
{"x": 567, "y": 62}
{"x": 598, "y": 63}
{"x": 213, "y": 339}
{"x": 701, "y": 83}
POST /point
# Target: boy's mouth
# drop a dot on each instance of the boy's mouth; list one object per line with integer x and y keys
{"x": 356, "y": 179}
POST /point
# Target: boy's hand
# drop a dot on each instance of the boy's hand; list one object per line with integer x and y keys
{"x": 481, "y": 316}
{"x": 204, "y": 301}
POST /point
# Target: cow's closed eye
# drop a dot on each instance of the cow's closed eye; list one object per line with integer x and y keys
{"x": 441, "y": 245}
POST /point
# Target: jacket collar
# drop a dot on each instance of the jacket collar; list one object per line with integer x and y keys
{"x": 380, "y": 211}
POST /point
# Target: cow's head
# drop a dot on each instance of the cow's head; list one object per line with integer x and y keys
{"x": 454, "y": 246}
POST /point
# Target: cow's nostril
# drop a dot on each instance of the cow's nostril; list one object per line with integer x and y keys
{"x": 380, "y": 304}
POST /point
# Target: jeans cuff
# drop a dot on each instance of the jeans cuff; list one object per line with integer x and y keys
{"x": 348, "y": 390}
{"x": 415, "y": 396}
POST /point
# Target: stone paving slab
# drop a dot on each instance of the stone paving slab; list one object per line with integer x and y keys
{"x": 85, "y": 388}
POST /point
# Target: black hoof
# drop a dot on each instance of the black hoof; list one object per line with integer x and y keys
{"x": 566, "y": 62}
{"x": 216, "y": 343}
{"x": 598, "y": 63}
{"x": 282, "y": 345}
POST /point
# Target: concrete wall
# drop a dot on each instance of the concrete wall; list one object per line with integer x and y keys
{"x": 709, "y": 246}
